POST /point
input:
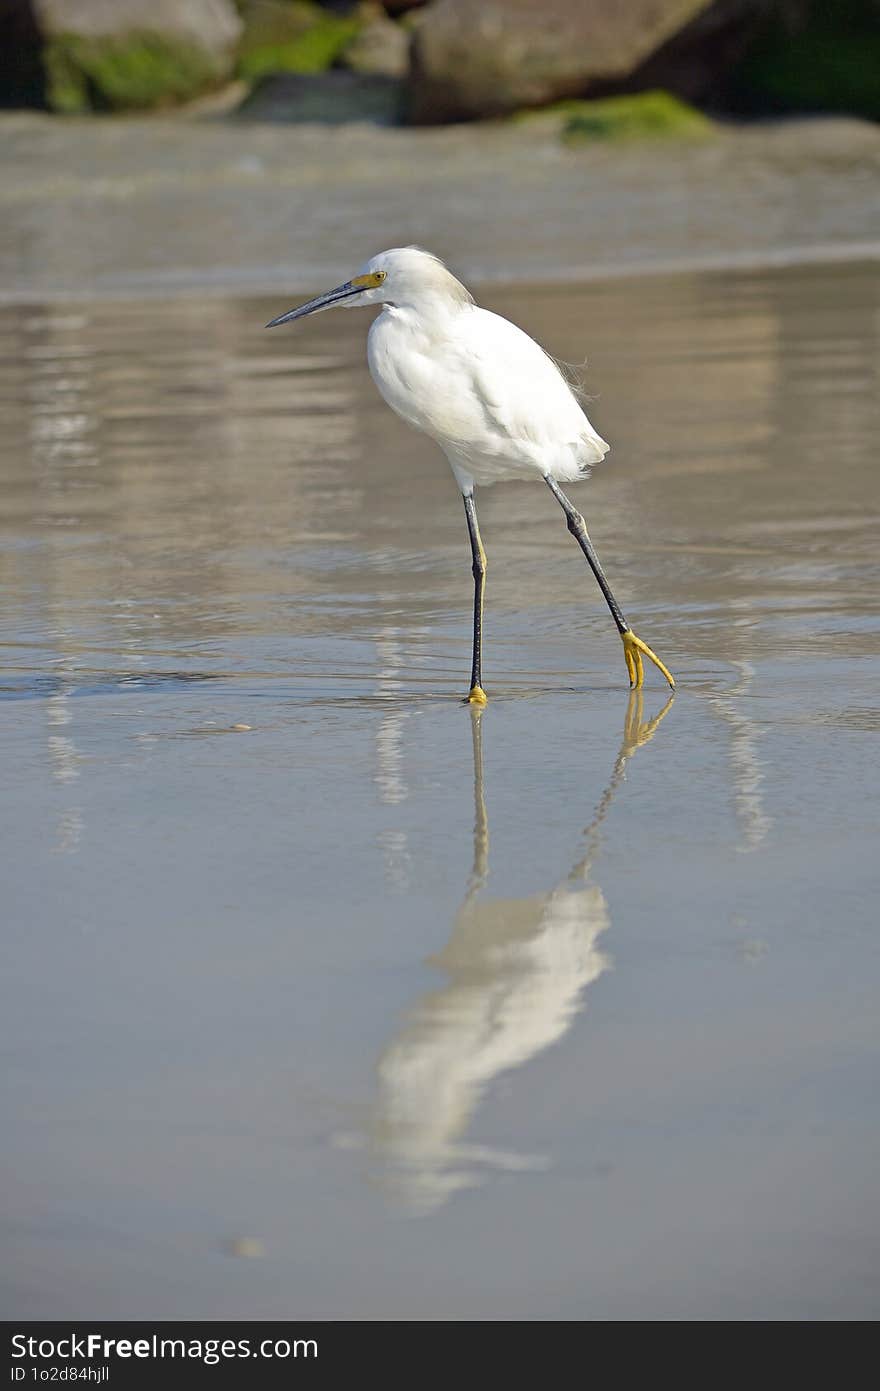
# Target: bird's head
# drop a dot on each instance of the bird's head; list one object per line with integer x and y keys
{"x": 404, "y": 276}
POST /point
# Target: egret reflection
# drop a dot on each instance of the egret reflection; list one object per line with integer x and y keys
{"x": 517, "y": 970}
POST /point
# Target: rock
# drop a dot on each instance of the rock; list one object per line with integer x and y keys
{"x": 380, "y": 46}
{"x": 116, "y": 54}
{"x": 330, "y": 98}
{"x": 697, "y": 61}
{"x": 484, "y": 59}
{"x": 292, "y": 36}
{"x": 21, "y": 71}
{"x": 813, "y": 57}
{"x": 213, "y": 24}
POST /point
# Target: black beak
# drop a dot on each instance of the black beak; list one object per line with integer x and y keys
{"x": 314, "y": 306}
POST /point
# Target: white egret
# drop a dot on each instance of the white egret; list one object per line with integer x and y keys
{"x": 494, "y": 401}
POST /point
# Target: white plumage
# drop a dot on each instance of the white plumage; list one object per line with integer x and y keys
{"x": 494, "y": 401}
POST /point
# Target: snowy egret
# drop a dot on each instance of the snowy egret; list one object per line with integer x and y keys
{"x": 494, "y": 401}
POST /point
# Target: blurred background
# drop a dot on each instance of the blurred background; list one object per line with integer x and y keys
{"x": 308, "y": 1002}
{"x": 267, "y": 140}
{"x": 435, "y": 61}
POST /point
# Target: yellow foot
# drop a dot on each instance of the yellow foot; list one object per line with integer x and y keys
{"x": 477, "y": 696}
{"x": 633, "y": 648}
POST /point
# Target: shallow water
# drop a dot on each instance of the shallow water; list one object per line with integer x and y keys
{"x": 151, "y": 205}
{"x": 378, "y": 1009}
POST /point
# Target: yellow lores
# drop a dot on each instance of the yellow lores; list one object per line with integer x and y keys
{"x": 493, "y": 400}
{"x": 371, "y": 281}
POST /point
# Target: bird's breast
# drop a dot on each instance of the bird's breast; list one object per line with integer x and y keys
{"x": 415, "y": 374}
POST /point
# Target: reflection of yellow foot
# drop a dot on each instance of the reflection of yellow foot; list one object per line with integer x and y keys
{"x": 633, "y": 648}
{"x": 637, "y": 730}
{"x": 477, "y": 696}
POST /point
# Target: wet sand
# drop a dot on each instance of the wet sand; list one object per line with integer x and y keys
{"x": 370, "y": 1009}
{"x": 137, "y": 206}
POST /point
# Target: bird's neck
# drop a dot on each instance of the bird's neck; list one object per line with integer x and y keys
{"x": 426, "y": 311}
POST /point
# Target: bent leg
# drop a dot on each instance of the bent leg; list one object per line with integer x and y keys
{"x": 633, "y": 647}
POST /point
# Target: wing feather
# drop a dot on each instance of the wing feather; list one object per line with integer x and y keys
{"x": 526, "y": 404}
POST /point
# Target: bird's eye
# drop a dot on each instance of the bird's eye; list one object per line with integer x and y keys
{"x": 380, "y": 276}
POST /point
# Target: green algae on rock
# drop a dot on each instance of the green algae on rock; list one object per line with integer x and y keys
{"x": 138, "y": 72}
{"x": 123, "y": 56}
{"x": 298, "y": 37}
{"x": 645, "y": 115}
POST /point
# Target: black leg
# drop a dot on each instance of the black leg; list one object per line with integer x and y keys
{"x": 633, "y": 647}
{"x": 477, "y": 694}
{"x": 578, "y": 528}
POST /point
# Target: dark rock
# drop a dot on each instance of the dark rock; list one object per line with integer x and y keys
{"x": 812, "y": 56}
{"x": 330, "y": 98}
{"x": 21, "y": 70}
{"x": 474, "y": 59}
{"x": 696, "y": 62}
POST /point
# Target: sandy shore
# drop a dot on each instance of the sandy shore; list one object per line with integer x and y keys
{"x": 131, "y": 207}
